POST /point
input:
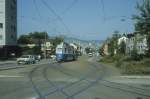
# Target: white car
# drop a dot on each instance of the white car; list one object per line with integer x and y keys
{"x": 90, "y": 54}
{"x": 53, "y": 56}
{"x": 26, "y": 59}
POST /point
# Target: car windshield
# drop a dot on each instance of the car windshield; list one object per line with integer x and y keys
{"x": 25, "y": 56}
{"x": 74, "y": 49}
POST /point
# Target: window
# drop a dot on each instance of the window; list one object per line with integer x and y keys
{"x": 12, "y": 36}
{"x": 12, "y": 17}
{"x": 1, "y": 37}
{"x": 14, "y": 28}
{"x": 14, "y": 1}
{"x": 1, "y": 25}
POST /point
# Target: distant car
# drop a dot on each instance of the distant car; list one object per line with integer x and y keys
{"x": 53, "y": 56}
{"x": 90, "y": 54}
{"x": 37, "y": 57}
{"x": 26, "y": 59}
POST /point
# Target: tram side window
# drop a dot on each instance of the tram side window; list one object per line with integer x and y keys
{"x": 59, "y": 49}
{"x": 65, "y": 50}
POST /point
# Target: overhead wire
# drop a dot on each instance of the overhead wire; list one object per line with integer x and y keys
{"x": 106, "y": 18}
{"x": 37, "y": 9}
{"x": 55, "y": 14}
{"x": 46, "y": 22}
{"x": 70, "y": 6}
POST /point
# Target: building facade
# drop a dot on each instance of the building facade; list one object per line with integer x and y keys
{"x": 137, "y": 41}
{"x": 122, "y": 39}
{"x": 8, "y": 22}
{"x": 105, "y": 49}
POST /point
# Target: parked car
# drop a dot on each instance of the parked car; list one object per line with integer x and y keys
{"x": 37, "y": 58}
{"x": 26, "y": 59}
{"x": 53, "y": 57}
{"x": 90, "y": 54}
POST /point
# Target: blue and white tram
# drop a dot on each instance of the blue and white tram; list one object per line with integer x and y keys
{"x": 65, "y": 52}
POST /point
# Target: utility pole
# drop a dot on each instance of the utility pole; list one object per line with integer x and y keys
{"x": 45, "y": 45}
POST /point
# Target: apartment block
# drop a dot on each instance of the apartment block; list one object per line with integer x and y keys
{"x": 8, "y": 22}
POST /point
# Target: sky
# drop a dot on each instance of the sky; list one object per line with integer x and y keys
{"x": 82, "y": 19}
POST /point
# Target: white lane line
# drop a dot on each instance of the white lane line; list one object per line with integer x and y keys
{"x": 10, "y": 76}
{"x": 33, "y": 98}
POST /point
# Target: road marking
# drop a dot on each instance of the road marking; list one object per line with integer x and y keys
{"x": 33, "y": 98}
{"x": 10, "y": 76}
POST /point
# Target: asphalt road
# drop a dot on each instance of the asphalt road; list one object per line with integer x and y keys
{"x": 81, "y": 79}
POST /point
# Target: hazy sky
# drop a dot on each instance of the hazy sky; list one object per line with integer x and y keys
{"x": 83, "y": 19}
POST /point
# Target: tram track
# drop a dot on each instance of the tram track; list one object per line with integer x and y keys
{"x": 62, "y": 89}
{"x": 35, "y": 86}
{"x": 70, "y": 96}
{"x": 124, "y": 87}
{"x": 40, "y": 96}
{"x": 57, "y": 88}
{"x": 110, "y": 84}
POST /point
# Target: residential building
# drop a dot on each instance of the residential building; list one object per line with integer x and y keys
{"x": 137, "y": 41}
{"x": 8, "y": 22}
{"x": 47, "y": 48}
{"x": 122, "y": 39}
{"x": 105, "y": 49}
{"x": 8, "y": 29}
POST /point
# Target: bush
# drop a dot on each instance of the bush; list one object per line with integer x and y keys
{"x": 135, "y": 56}
{"x": 119, "y": 63}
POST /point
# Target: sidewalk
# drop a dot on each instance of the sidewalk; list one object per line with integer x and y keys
{"x": 130, "y": 79}
{"x": 136, "y": 77}
{"x": 7, "y": 62}
{"x": 14, "y": 61}
{"x": 7, "y": 65}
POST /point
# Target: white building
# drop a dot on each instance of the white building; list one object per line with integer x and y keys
{"x": 136, "y": 41}
{"x": 122, "y": 39}
{"x": 8, "y": 22}
{"x": 105, "y": 49}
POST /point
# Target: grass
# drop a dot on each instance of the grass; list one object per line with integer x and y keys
{"x": 129, "y": 66}
{"x": 109, "y": 59}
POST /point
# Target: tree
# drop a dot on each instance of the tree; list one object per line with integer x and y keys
{"x": 57, "y": 40}
{"x": 101, "y": 50}
{"x": 39, "y": 35}
{"x": 25, "y": 39}
{"x": 113, "y": 43}
{"x": 143, "y": 20}
{"x": 37, "y": 50}
{"x": 111, "y": 48}
{"x": 35, "y": 37}
{"x": 122, "y": 48}
{"x": 148, "y": 45}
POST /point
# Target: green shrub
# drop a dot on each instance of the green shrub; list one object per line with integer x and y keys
{"x": 119, "y": 63}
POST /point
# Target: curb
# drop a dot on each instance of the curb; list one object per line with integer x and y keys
{"x": 10, "y": 68}
{"x": 136, "y": 77}
{"x": 17, "y": 67}
{"x": 7, "y": 63}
